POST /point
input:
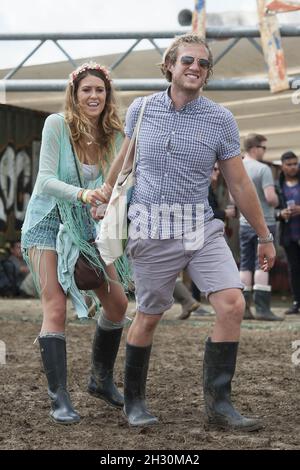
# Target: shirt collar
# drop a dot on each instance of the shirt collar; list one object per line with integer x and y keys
{"x": 167, "y": 100}
{"x": 187, "y": 107}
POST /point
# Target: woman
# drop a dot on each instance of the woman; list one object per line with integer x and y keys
{"x": 75, "y": 155}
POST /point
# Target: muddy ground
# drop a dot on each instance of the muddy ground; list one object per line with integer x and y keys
{"x": 266, "y": 384}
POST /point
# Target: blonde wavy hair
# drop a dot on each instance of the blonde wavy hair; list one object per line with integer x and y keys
{"x": 170, "y": 55}
{"x": 80, "y": 127}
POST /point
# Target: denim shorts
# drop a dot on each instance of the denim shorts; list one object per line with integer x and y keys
{"x": 43, "y": 235}
{"x": 156, "y": 264}
{"x": 248, "y": 247}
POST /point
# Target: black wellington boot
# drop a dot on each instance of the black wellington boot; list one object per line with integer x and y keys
{"x": 54, "y": 357}
{"x": 262, "y": 301}
{"x": 248, "y": 314}
{"x": 136, "y": 369}
{"x": 105, "y": 349}
{"x": 218, "y": 370}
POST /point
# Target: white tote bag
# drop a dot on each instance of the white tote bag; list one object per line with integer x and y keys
{"x": 113, "y": 232}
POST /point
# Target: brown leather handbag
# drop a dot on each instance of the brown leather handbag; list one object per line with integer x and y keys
{"x": 86, "y": 275}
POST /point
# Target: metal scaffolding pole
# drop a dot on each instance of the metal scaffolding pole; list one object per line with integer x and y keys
{"x": 249, "y": 83}
{"x": 212, "y": 32}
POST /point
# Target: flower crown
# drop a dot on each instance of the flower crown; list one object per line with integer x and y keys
{"x": 89, "y": 66}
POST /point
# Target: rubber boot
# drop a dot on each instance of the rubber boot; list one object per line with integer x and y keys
{"x": 248, "y": 314}
{"x": 218, "y": 371}
{"x": 136, "y": 370}
{"x": 54, "y": 357}
{"x": 105, "y": 349}
{"x": 262, "y": 302}
{"x": 183, "y": 296}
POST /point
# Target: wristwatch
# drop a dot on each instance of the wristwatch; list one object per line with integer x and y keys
{"x": 267, "y": 239}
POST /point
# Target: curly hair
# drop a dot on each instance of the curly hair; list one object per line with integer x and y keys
{"x": 170, "y": 55}
{"x": 81, "y": 129}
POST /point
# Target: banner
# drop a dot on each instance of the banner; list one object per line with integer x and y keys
{"x": 283, "y": 7}
{"x": 272, "y": 48}
{"x": 199, "y": 18}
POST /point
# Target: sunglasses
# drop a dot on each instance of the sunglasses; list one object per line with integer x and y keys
{"x": 262, "y": 147}
{"x": 189, "y": 60}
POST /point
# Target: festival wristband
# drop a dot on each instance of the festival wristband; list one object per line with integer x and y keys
{"x": 85, "y": 195}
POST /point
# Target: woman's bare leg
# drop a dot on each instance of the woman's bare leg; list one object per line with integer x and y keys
{"x": 52, "y": 296}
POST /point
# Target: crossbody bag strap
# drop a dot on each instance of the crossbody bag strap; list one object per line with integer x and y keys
{"x": 134, "y": 139}
{"x": 76, "y": 161}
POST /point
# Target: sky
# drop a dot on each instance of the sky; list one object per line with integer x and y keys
{"x": 17, "y": 16}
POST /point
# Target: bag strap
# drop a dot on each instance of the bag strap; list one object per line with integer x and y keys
{"x": 73, "y": 151}
{"x": 134, "y": 139}
{"x": 76, "y": 163}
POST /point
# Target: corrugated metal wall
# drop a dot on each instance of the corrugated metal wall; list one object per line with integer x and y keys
{"x": 20, "y": 139}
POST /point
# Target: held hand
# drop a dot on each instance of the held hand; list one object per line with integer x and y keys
{"x": 93, "y": 211}
{"x": 92, "y": 198}
{"x": 96, "y": 213}
{"x": 266, "y": 256}
{"x": 101, "y": 197}
{"x": 104, "y": 192}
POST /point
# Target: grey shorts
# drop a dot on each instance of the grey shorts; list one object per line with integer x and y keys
{"x": 156, "y": 264}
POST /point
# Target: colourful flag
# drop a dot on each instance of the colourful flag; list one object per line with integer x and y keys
{"x": 282, "y": 7}
{"x": 199, "y": 18}
{"x": 272, "y": 48}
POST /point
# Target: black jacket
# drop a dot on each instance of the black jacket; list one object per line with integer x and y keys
{"x": 284, "y": 227}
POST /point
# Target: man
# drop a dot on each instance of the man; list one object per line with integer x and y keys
{"x": 289, "y": 216}
{"x": 261, "y": 176}
{"x": 182, "y": 135}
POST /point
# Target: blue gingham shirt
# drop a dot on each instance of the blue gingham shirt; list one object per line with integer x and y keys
{"x": 177, "y": 150}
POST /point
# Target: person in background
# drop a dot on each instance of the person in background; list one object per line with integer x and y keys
{"x": 230, "y": 211}
{"x": 189, "y": 305}
{"x": 250, "y": 271}
{"x": 288, "y": 213}
{"x": 24, "y": 279}
{"x": 76, "y": 152}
